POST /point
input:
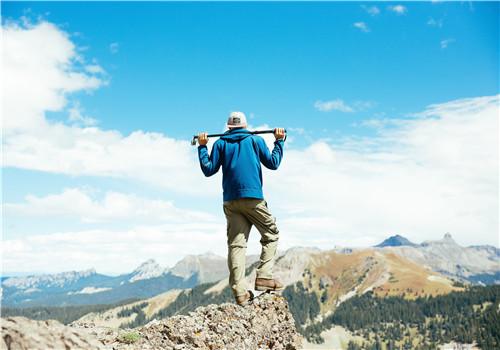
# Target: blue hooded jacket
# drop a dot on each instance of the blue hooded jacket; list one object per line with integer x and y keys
{"x": 240, "y": 154}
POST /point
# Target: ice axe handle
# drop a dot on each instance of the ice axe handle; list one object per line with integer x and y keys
{"x": 271, "y": 131}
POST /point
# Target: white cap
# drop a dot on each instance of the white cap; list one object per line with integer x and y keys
{"x": 236, "y": 120}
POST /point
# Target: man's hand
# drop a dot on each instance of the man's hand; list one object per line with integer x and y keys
{"x": 202, "y": 138}
{"x": 279, "y": 133}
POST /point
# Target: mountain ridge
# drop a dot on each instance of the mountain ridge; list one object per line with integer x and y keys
{"x": 475, "y": 264}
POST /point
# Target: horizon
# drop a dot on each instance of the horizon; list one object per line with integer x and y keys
{"x": 391, "y": 110}
{"x": 279, "y": 252}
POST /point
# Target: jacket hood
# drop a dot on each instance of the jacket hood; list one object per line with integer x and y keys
{"x": 236, "y": 135}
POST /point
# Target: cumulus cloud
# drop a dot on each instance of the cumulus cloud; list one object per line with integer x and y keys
{"x": 40, "y": 67}
{"x": 82, "y": 205}
{"x": 398, "y": 9}
{"x": 421, "y": 176}
{"x": 361, "y": 26}
{"x": 105, "y": 249}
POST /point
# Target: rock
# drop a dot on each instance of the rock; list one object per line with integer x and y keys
{"x": 22, "y": 333}
{"x": 264, "y": 324}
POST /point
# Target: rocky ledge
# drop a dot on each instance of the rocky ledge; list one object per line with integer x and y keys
{"x": 264, "y": 324}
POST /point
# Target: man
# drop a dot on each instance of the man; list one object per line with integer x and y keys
{"x": 240, "y": 154}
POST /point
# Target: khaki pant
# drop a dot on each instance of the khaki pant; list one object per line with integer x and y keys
{"x": 241, "y": 214}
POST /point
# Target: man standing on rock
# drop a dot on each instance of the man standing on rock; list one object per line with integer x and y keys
{"x": 240, "y": 154}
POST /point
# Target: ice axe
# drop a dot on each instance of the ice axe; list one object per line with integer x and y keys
{"x": 271, "y": 131}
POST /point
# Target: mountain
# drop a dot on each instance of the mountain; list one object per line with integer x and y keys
{"x": 88, "y": 287}
{"x": 477, "y": 264}
{"x": 207, "y": 267}
{"x": 395, "y": 241}
{"x": 329, "y": 277}
{"x": 148, "y": 269}
{"x": 52, "y": 281}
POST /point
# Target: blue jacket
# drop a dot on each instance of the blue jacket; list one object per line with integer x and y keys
{"x": 240, "y": 154}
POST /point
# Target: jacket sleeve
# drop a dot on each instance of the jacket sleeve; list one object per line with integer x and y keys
{"x": 271, "y": 160}
{"x": 210, "y": 164}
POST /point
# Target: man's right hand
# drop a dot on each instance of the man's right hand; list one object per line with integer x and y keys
{"x": 279, "y": 133}
{"x": 202, "y": 138}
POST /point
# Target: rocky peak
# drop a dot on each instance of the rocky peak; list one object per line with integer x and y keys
{"x": 396, "y": 241}
{"x": 148, "y": 269}
{"x": 264, "y": 324}
{"x": 208, "y": 266}
{"x": 447, "y": 238}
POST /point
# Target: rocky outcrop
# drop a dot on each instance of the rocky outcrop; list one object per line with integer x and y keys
{"x": 19, "y": 333}
{"x": 264, "y": 324}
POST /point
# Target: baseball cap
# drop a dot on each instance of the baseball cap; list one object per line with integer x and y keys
{"x": 236, "y": 120}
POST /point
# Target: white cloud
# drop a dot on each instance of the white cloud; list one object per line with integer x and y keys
{"x": 361, "y": 26}
{"x": 76, "y": 116}
{"x": 435, "y": 22}
{"x": 40, "y": 67}
{"x": 445, "y": 43}
{"x": 114, "y": 47}
{"x": 94, "y": 69}
{"x": 372, "y": 10}
{"x": 77, "y": 203}
{"x": 398, "y": 9}
{"x": 111, "y": 251}
{"x": 422, "y": 176}
{"x": 337, "y": 105}
{"x": 340, "y": 105}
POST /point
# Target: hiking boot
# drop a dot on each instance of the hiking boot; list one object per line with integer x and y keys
{"x": 267, "y": 284}
{"x": 244, "y": 299}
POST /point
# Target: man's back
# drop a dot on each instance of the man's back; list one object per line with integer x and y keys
{"x": 240, "y": 154}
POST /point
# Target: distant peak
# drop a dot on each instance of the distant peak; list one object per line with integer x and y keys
{"x": 148, "y": 262}
{"x": 447, "y": 238}
{"x": 396, "y": 241}
{"x": 210, "y": 254}
{"x": 148, "y": 269}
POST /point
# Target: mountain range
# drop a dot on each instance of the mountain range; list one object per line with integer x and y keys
{"x": 90, "y": 287}
{"x": 394, "y": 265}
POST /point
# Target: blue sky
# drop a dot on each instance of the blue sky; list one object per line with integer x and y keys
{"x": 332, "y": 73}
